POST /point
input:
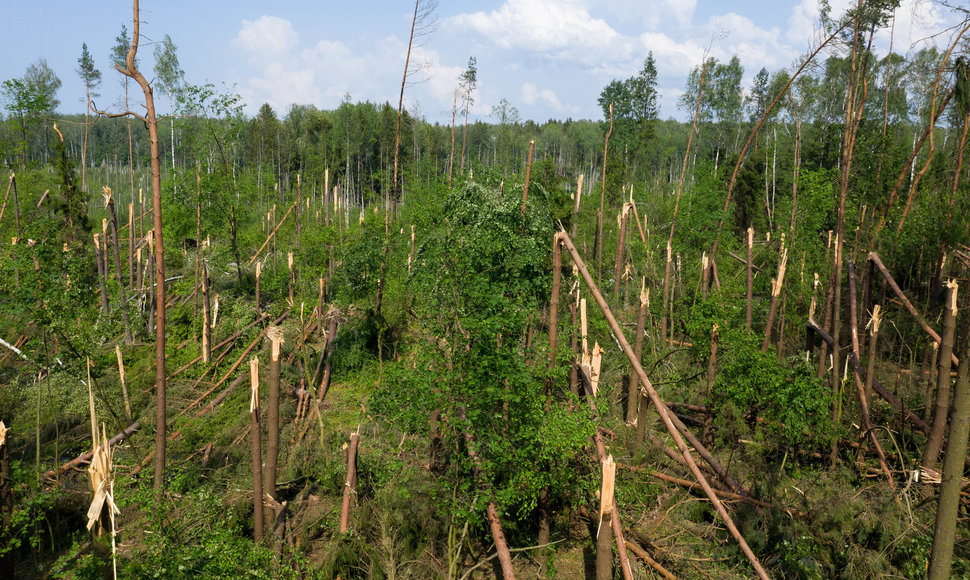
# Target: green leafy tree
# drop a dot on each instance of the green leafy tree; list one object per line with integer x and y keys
{"x": 169, "y": 78}
{"x": 760, "y": 96}
{"x": 91, "y": 77}
{"x": 467, "y": 84}
{"x": 26, "y": 107}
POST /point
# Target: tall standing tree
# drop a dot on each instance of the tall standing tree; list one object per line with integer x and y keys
{"x": 26, "y": 106}
{"x": 169, "y": 78}
{"x": 467, "y": 84}
{"x": 422, "y": 23}
{"x": 119, "y": 52}
{"x": 644, "y": 96}
{"x": 91, "y": 77}
{"x": 31, "y": 100}
{"x": 130, "y": 69}
{"x": 635, "y": 108}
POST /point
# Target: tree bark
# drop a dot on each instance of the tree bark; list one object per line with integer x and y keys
{"x": 776, "y": 287}
{"x": 275, "y": 335}
{"x": 665, "y": 414}
{"x": 749, "y": 279}
{"x": 604, "y": 549}
{"x": 109, "y": 201}
{"x": 206, "y": 318}
{"x": 934, "y": 441}
{"x": 544, "y": 530}
{"x": 350, "y": 484}
{"x": 636, "y": 405}
{"x": 953, "y": 465}
{"x": 599, "y": 216}
{"x": 860, "y": 387}
{"x": 105, "y": 306}
{"x": 257, "y": 461}
{"x": 618, "y": 264}
{"x": 151, "y": 121}
{"x": 6, "y": 506}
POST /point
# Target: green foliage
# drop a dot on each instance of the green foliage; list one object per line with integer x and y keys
{"x": 795, "y": 404}
{"x": 205, "y": 540}
{"x": 479, "y": 278}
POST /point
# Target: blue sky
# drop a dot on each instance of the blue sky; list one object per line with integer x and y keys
{"x": 548, "y": 58}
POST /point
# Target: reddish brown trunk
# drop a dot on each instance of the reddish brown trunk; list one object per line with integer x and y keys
{"x": 350, "y": 484}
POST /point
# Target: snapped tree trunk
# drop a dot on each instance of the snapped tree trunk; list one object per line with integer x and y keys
{"x": 934, "y": 441}
{"x": 275, "y": 335}
{"x": 948, "y": 506}
{"x": 255, "y": 433}
{"x": 350, "y": 484}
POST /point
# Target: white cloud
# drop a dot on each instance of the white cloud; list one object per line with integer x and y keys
{"x": 655, "y": 14}
{"x": 532, "y": 95}
{"x": 755, "y": 46}
{"x": 672, "y": 57}
{"x": 266, "y": 39}
{"x": 284, "y": 72}
{"x": 559, "y": 29}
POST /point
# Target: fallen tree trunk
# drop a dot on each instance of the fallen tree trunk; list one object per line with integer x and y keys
{"x": 85, "y": 457}
{"x": 665, "y": 414}
{"x": 874, "y": 258}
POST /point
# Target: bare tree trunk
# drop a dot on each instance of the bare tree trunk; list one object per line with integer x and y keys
{"x": 674, "y": 427}
{"x": 934, "y": 441}
{"x": 206, "y": 318}
{"x": 7, "y": 560}
{"x": 618, "y": 264}
{"x": 109, "y": 200}
{"x": 124, "y": 386}
{"x": 948, "y": 507}
{"x": 255, "y": 433}
{"x": 292, "y": 278}
{"x": 451, "y": 158}
{"x": 528, "y": 174}
{"x": 709, "y": 385}
{"x": 860, "y": 388}
{"x": 873, "y": 352}
{"x": 776, "y": 287}
{"x": 604, "y": 549}
{"x": 544, "y": 531}
{"x": 350, "y": 484}
{"x": 105, "y": 306}
{"x": 259, "y": 268}
{"x": 131, "y": 246}
{"x": 749, "y": 279}
{"x": 299, "y": 210}
{"x": 275, "y": 335}
{"x": 151, "y": 121}
{"x": 599, "y": 216}
{"x": 636, "y": 406}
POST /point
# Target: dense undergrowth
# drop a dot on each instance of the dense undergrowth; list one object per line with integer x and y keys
{"x": 459, "y": 347}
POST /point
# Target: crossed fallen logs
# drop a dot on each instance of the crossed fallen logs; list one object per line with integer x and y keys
{"x": 674, "y": 426}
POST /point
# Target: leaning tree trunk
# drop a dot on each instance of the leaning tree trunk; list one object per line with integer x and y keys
{"x": 131, "y": 70}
